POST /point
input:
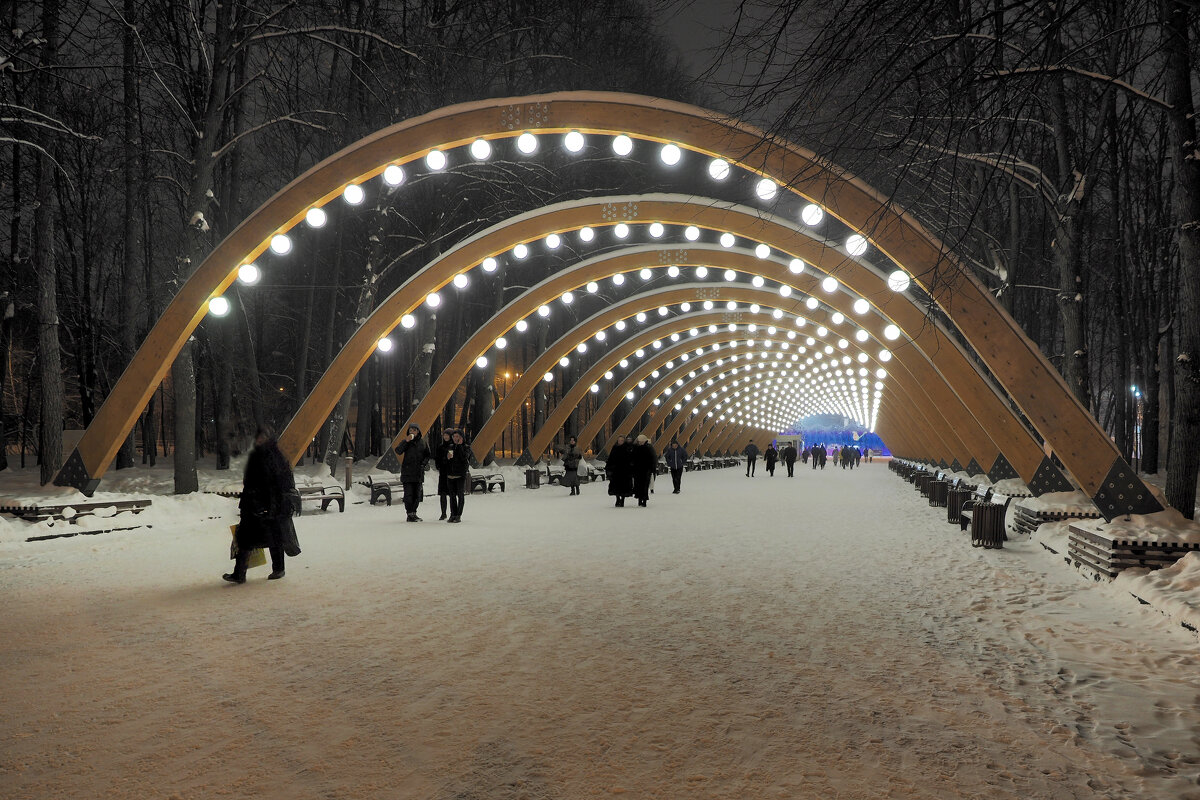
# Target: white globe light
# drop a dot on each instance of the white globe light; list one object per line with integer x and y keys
{"x": 249, "y": 273}
{"x": 861, "y": 335}
{"x": 393, "y": 175}
{"x": 754, "y": 308}
{"x": 527, "y": 143}
{"x": 812, "y": 214}
{"x": 618, "y": 279}
{"x": 838, "y": 318}
{"x": 520, "y": 251}
{"x": 727, "y": 240}
{"x": 762, "y": 251}
{"x": 553, "y": 241}
{"x": 586, "y": 234}
{"x": 672, "y": 272}
{"x": 777, "y": 313}
{"x": 622, "y": 145}
{"x": 701, "y": 272}
{"x": 601, "y": 336}
{"x": 619, "y": 325}
{"x": 316, "y": 218}
{"x": 621, "y": 230}
{"x": 891, "y": 332}
{"x": 574, "y": 141}
{"x": 624, "y": 363}
{"x": 353, "y": 194}
{"x": 501, "y": 343}
{"x": 218, "y": 306}
{"x": 408, "y": 321}
{"x": 670, "y": 154}
{"x": 564, "y": 362}
{"x": 685, "y": 307}
{"x": 885, "y": 355}
{"x": 730, "y": 275}
{"x": 460, "y": 281}
{"x": 812, "y": 303}
{"x": 593, "y": 287}
{"x": 731, "y": 306}
{"x": 481, "y": 362}
{"x": 435, "y": 160}
{"x": 281, "y": 245}
{"x": 822, "y": 330}
{"x": 481, "y": 149}
{"x": 521, "y": 326}
{"x": 568, "y": 298}
{"x": 629, "y": 395}
{"x": 490, "y": 264}
{"x": 384, "y": 345}
{"x": 843, "y": 344}
{"x": 796, "y": 266}
{"x": 543, "y": 311}
{"x": 646, "y": 274}
{"x": 829, "y": 284}
{"x": 433, "y": 300}
{"x": 691, "y": 233}
{"x": 881, "y": 373}
{"x": 548, "y": 377}
{"x": 785, "y": 291}
{"x": 758, "y": 281}
{"x": 595, "y": 389}
{"x": 718, "y": 169}
{"x": 861, "y": 306}
{"x": 766, "y": 189}
{"x": 899, "y": 281}
{"x": 662, "y": 311}
{"x": 856, "y": 245}
{"x": 641, "y": 316}
{"x": 656, "y": 229}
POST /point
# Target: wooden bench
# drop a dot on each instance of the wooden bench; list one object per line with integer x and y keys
{"x": 41, "y": 513}
{"x": 318, "y": 494}
{"x": 381, "y": 489}
{"x": 486, "y": 483}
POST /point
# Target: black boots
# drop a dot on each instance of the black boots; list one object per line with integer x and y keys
{"x": 233, "y": 577}
{"x": 276, "y": 575}
{"x": 413, "y": 518}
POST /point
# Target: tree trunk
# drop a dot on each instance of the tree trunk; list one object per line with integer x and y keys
{"x": 183, "y": 373}
{"x": 45, "y": 265}
{"x": 1181, "y": 133}
{"x": 131, "y": 269}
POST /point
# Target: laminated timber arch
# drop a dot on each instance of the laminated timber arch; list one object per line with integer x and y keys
{"x": 1026, "y": 376}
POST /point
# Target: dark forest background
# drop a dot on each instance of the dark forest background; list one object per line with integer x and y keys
{"x": 1050, "y": 144}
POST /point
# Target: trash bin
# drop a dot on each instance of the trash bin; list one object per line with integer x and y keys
{"x": 954, "y": 503}
{"x": 533, "y": 478}
{"x": 987, "y": 525}
{"x": 937, "y": 493}
{"x": 922, "y": 482}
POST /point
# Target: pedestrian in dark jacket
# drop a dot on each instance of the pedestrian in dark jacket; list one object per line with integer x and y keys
{"x": 771, "y": 455}
{"x": 789, "y": 458}
{"x": 620, "y": 471}
{"x": 676, "y": 458}
{"x": 439, "y": 461}
{"x": 412, "y": 469}
{"x": 805, "y": 454}
{"x": 751, "y": 453}
{"x": 572, "y": 457}
{"x": 644, "y": 462}
{"x": 458, "y": 473}
{"x": 266, "y": 508}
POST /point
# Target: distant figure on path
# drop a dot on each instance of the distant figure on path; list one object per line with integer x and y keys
{"x": 789, "y": 458}
{"x": 644, "y": 462}
{"x": 620, "y": 471}
{"x": 412, "y": 469}
{"x": 771, "y": 456}
{"x": 676, "y": 458}
{"x": 571, "y": 458}
{"x": 751, "y": 453}
{"x": 266, "y": 508}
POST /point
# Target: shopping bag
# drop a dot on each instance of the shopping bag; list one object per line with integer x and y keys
{"x": 258, "y": 557}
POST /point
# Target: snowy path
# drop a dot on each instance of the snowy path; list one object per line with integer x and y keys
{"x": 827, "y": 637}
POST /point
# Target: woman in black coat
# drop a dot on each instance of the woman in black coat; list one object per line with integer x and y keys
{"x": 458, "y": 473}
{"x": 771, "y": 455}
{"x": 620, "y": 471}
{"x": 266, "y": 508}
{"x": 645, "y": 461}
{"x": 439, "y": 461}
{"x": 412, "y": 469}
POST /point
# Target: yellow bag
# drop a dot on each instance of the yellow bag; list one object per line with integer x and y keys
{"x": 258, "y": 557}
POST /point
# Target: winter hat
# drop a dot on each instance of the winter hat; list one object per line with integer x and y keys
{"x": 641, "y": 439}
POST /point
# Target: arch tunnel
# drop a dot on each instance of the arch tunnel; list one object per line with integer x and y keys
{"x": 801, "y": 290}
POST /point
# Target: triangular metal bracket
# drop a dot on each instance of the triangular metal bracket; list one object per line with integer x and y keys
{"x": 471, "y": 459}
{"x": 1001, "y": 470}
{"x": 1123, "y": 493}
{"x": 525, "y": 459}
{"x": 956, "y": 466}
{"x": 943, "y": 465}
{"x": 973, "y": 468}
{"x": 388, "y": 462}
{"x": 1049, "y": 478}
{"x": 74, "y": 473}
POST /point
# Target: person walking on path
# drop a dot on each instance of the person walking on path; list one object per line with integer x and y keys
{"x": 644, "y": 462}
{"x": 458, "y": 473}
{"x": 804, "y": 454}
{"x": 266, "y": 508}
{"x": 789, "y": 458}
{"x": 676, "y": 458}
{"x": 824, "y": 454}
{"x": 415, "y": 452}
{"x": 817, "y": 449}
{"x": 751, "y": 454}
{"x": 439, "y": 461}
{"x": 620, "y": 471}
{"x": 771, "y": 455}
{"x": 572, "y": 456}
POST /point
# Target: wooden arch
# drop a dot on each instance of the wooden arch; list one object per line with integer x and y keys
{"x": 1026, "y": 376}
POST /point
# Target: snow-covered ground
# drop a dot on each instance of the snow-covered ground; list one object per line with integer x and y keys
{"x": 825, "y": 636}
